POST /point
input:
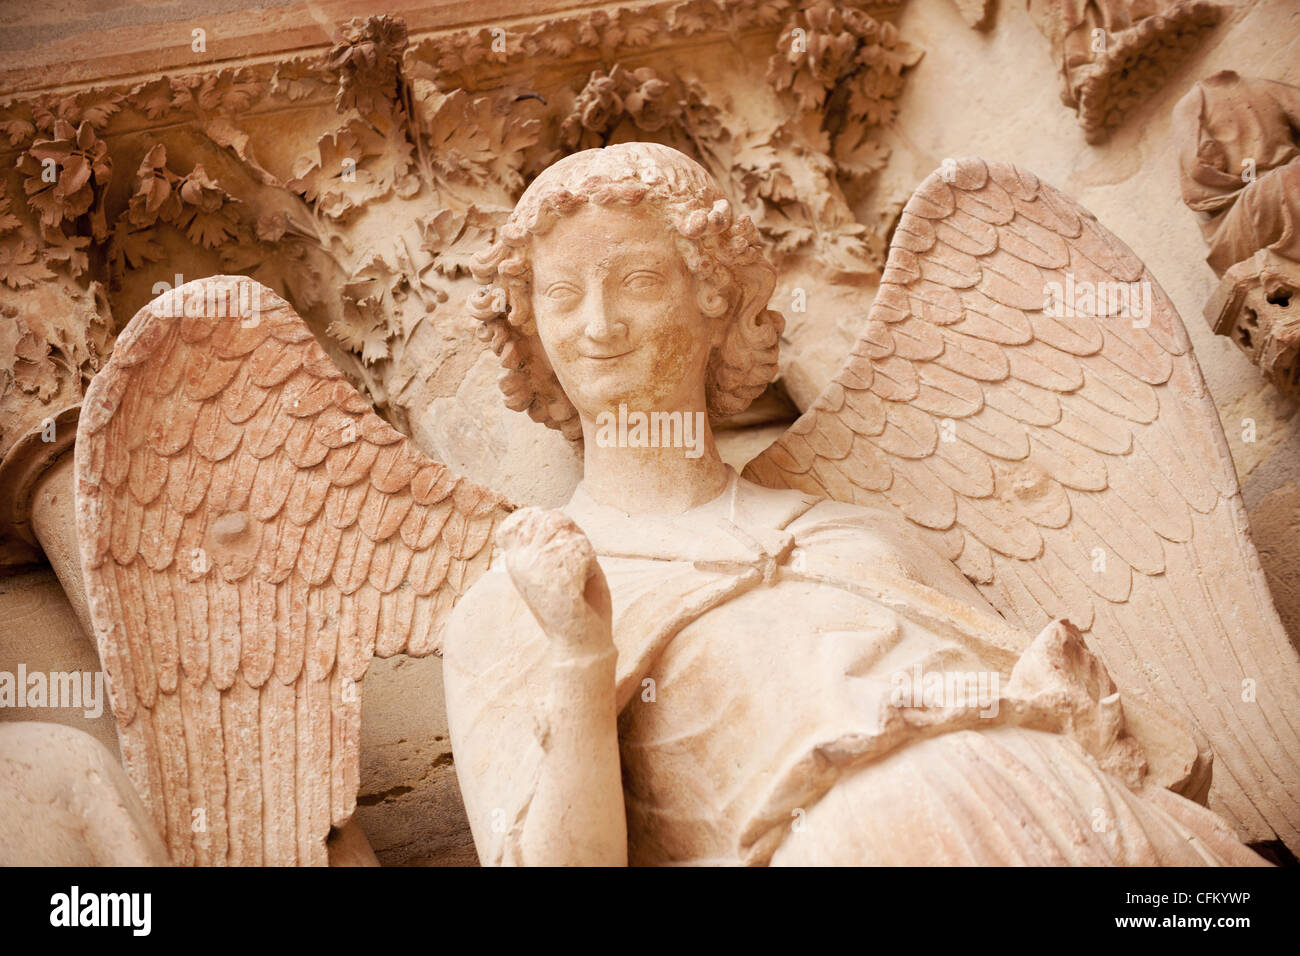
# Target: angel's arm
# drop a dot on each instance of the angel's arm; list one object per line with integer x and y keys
{"x": 577, "y": 815}
{"x": 534, "y": 721}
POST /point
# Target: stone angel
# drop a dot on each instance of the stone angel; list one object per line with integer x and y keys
{"x": 992, "y": 599}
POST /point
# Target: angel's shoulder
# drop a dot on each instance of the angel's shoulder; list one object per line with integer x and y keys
{"x": 867, "y": 529}
{"x": 490, "y": 620}
{"x": 859, "y": 531}
{"x": 878, "y": 537}
{"x": 827, "y": 512}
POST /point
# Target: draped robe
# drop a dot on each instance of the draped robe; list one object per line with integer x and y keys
{"x": 769, "y": 645}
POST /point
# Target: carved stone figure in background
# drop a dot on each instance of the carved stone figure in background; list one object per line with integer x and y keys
{"x": 1239, "y": 165}
{"x": 1113, "y": 54}
{"x": 714, "y": 677}
{"x": 1238, "y": 146}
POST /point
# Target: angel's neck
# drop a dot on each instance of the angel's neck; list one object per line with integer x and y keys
{"x": 651, "y": 464}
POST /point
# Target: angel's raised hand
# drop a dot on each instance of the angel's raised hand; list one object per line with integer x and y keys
{"x": 554, "y": 567}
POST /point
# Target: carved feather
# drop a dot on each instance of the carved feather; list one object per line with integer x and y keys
{"x": 252, "y": 533}
{"x": 1114, "y": 503}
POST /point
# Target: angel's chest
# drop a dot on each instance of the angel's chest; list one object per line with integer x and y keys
{"x": 748, "y": 691}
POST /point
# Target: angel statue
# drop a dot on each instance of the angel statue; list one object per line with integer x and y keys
{"x": 891, "y": 640}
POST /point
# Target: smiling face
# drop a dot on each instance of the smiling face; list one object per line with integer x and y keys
{"x": 624, "y": 274}
{"x": 618, "y": 312}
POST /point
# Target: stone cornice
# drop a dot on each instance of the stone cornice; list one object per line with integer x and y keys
{"x": 304, "y": 31}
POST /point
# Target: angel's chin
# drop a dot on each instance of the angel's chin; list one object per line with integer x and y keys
{"x": 605, "y": 392}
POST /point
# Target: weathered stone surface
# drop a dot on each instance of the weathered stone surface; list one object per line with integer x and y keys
{"x": 67, "y": 802}
{"x": 994, "y": 92}
{"x": 40, "y": 631}
{"x": 409, "y": 803}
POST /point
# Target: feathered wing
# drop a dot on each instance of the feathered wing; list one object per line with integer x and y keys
{"x": 252, "y": 533}
{"x": 1071, "y": 466}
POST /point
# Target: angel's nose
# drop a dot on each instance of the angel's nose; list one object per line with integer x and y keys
{"x": 599, "y": 326}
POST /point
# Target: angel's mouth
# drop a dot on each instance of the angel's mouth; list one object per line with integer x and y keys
{"x": 605, "y": 358}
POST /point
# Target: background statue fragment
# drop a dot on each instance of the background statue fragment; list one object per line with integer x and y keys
{"x": 1113, "y": 54}
{"x": 1239, "y": 166}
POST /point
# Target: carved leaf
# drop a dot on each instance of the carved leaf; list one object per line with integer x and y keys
{"x": 8, "y": 221}
{"x": 476, "y": 139}
{"x": 70, "y": 251}
{"x": 19, "y": 267}
{"x": 861, "y": 159}
{"x": 341, "y": 177}
{"x": 134, "y": 248}
{"x": 17, "y": 130}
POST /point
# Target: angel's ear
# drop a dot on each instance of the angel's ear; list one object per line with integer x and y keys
{"x": 755, "y": 284}
{"x": 745, "y": 360}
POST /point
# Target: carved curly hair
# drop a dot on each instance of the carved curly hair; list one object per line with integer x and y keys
{"x": 721, "y": 250}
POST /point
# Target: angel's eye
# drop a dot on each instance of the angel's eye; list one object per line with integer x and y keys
{"x": 561, "y": 291}
{"x": 643, "y": 281}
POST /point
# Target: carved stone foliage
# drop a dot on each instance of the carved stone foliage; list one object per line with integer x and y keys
{"x": 358, "y": 182}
